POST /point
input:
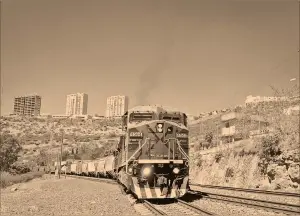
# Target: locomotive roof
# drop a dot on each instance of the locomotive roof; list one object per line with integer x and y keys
{"x": 153, "y": 108}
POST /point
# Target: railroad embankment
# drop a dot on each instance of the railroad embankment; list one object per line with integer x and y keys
{"x": 250, "y": 164}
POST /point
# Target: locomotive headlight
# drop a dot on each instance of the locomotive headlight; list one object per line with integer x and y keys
{"x": 130, "y": 170}
{"x": 176, "y": 170}
{"x": 159, "y": 127}
{"x": 146, "y": 171}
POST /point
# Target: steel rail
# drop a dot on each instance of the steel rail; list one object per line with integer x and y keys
{"x": 194, "y": 208}
{"x": 255, "y": 202}
{"x": 151, "y": 207}
{"x": 248, "y": 190}
{"x": 109, "y": 181}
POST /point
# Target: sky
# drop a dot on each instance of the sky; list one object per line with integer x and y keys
{"x": 193, "y": 55}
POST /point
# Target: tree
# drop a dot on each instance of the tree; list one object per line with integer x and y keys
{"x": 209, "y": 137}
{"x": 65, "y": 155}
{"x": 9, "y": 149}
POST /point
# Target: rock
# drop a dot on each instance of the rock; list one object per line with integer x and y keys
{"x": 295, "y": 185}
{"x": 33, "y": 208}
{"x": 294, "y": 172}
{"x": 280, "y": 172}
{"x": 282, "y": 183}
{"x": 13, "y": 189}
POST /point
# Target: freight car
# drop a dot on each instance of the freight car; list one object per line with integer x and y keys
{"x": 151, "y": 159}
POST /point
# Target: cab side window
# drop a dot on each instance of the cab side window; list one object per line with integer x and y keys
{"x": 185, "y": 120}
{"x": 124, "y": 123}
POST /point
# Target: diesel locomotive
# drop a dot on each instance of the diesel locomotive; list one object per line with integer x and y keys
{"x": 151, "y": 159}
{"x": 152, "y": 156}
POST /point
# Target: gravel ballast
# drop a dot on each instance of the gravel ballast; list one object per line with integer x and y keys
{"x": 62, "y": 197}
{"x": 222, "y": 208}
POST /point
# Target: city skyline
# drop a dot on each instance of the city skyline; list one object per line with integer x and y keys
{"x": 196, "y": 56}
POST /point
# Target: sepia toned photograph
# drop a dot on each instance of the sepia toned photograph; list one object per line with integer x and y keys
{"x": 150, "y": 107}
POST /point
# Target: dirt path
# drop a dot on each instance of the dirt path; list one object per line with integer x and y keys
{"x": 61, "y": 197}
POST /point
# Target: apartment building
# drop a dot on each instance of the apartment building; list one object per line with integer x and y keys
{"x": 116, "y": 106}
{"x": 29, "y": 105}
{"x": 76, "y": 104}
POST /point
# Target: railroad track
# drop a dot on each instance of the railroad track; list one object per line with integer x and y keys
{"x": 109, "y": 181}
{"x": 285, "y": 208}
{"x": 249, "y": 190}
{"x": 178, "y": 207}
{"x": 145, "y": 207}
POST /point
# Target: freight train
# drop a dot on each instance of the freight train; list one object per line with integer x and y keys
{"x": 151, "y": 159}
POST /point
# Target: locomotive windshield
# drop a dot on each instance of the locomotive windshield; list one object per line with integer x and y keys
{"x": 139, "y": 116}
{"x": 174, "y": 117}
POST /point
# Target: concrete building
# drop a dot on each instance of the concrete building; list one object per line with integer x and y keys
{"x": 29, "y": 105}
{"x": 116, "y": 106}
{"x": 233, "y": 125}
{"x": 76, "y": 104}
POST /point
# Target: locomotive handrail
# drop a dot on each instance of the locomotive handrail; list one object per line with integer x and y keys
{"x": 136, "y": 152}
{"x": 181, "y": 150}
{"x": 179, "y": 147}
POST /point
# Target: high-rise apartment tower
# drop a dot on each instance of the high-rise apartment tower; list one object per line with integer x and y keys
{"x": 29, "y": 105}
{"x": 116, "y": 106}
{"x": 77, "y": 104}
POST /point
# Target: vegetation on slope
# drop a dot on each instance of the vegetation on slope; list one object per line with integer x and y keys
{"x": 272, "y": 160}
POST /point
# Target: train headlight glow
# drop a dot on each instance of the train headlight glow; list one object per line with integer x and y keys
{"x": 159, "y": 128}
{"x": 176, "y": 170}
{"x": 146, "y": 171}
{"x": 130, "y": 170}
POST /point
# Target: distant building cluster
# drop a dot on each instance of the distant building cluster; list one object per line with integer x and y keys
{"x": 116, "y": 106}
{"x": 76, "y": 106}
{"x": 216, "y": 112}
{"x": 252, "y": 100}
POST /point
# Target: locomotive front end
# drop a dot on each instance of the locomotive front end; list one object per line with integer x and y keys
{"x": 157, "y": 158}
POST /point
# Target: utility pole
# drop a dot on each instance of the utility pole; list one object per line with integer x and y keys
{"x": 61, "y": 144}
{"x": 217, "y": 134}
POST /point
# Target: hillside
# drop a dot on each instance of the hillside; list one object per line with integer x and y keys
{"x": 43, "y": 136}
{"x": 269, "y": 161}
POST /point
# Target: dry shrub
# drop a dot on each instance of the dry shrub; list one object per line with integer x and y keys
{"x": 219, "y": 156}
{"x": 8, "y": 179}
{"x": 229, "y": 172}
{"x": 198, "y": 160}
